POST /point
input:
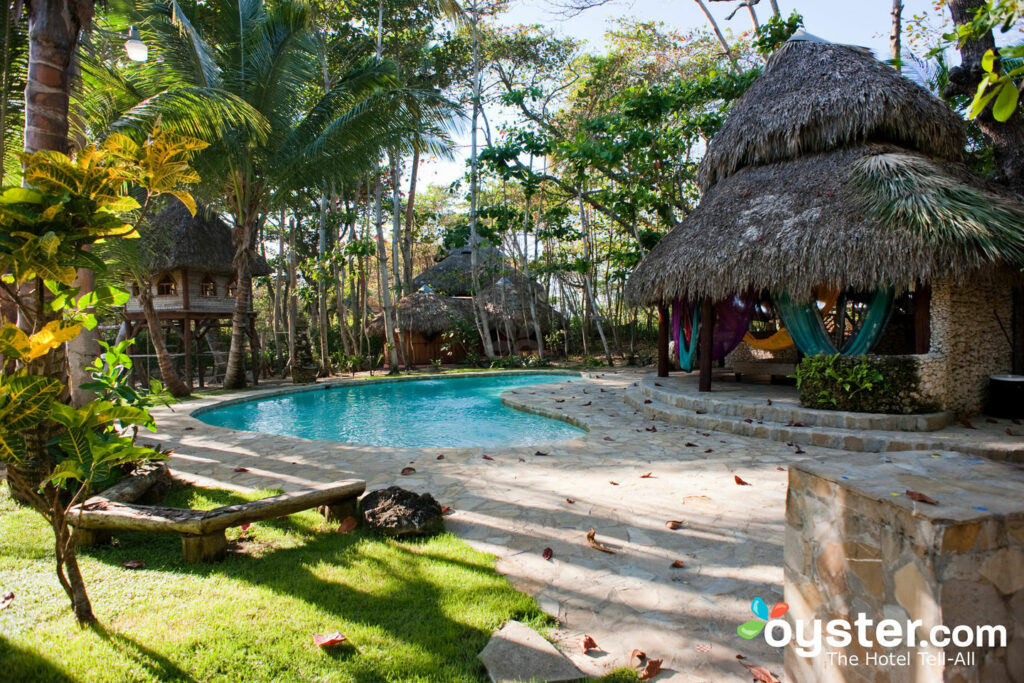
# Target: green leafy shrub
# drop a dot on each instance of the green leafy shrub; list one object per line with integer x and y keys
{"x": 865, "y": 384}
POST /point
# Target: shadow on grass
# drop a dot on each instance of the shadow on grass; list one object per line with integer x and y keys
{"x": 160, "y": 667}
{"x": 21, "y": 664}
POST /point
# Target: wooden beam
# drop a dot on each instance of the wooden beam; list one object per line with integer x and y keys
{"x": 186, "y": 339}
{"x": 707, "y": 333}
{"x": 663, "y": 334}
{"x": 922, "y": 318}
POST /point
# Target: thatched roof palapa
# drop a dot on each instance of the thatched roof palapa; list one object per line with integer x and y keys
{"x": 453, "y": 275}
{"x": 201, "y": 242}
{"x": 832, "y": 170}
{"x": 424, "y": 313}
{"x": 508, "y": 303}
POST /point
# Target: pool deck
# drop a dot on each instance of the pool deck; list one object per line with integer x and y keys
{"x": 516, "y": 502}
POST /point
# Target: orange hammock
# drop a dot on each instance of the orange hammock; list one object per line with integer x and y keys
{"x": 781, "y": 340}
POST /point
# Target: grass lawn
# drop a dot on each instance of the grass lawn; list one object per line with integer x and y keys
{"x": 413, "y": 610}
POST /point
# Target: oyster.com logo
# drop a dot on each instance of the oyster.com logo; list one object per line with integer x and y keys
{"x": 751, "y": 629}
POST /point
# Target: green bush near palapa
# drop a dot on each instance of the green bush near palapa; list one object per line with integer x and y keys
{"x": 863, "y": 384}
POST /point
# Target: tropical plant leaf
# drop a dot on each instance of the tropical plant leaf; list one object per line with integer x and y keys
{"x": 29, "y": 399}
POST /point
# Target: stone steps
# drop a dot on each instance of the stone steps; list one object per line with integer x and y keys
{"x": 787, "y": 411}
{"x": 860, "y": 440}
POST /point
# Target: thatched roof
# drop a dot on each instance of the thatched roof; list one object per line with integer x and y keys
{"x": 508, "y": 302}
{"x": 201, "y": 243}
{"x": 453, "y": 275}
{"x": 815, "y": 97}
{"x": 832, "y": 170}
{"x": 424, "y": 313}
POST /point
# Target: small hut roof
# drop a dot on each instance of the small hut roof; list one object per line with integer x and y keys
{"x": 201, "y": 242}
{"x": 453, "y": 275}
{"x": 829, "y": 219}
{"x": 423, "y": 313}
{"x": 509, "y": 301}
{"x": 814, "y": 96}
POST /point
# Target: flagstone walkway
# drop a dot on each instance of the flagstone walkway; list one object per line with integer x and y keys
{"x": 625, "y": 478}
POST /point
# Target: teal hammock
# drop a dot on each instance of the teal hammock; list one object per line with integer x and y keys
{"x": 685, "y": 329}
{"x": 808, "y": 331}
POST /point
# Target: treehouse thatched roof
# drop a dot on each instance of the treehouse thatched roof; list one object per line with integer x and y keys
{"x": 453, "y": 275}
{"x": 201, "y": 242}
{"x": 424, "y": 313}
{"x": 815, "y": 96}
{"x": 803, "y": 190}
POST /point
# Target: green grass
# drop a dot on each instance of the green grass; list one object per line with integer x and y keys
{"x": 413, "y": 610}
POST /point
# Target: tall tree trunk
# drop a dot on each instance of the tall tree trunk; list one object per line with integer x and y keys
{"x": 382, "y": 272}
{"x": 396, "y": 239}
{"x": 410, "y": 221}
{"x": 1007, "y": 137}
{"x": 168, "y": 373}
{"x": 474, "y": 191}
{"x": 321, "y": 288}
{"x": 53, "y": 28}
{"x": 896, "y": 32}
{"x": 292, "y": 298}
{"x": 278, "y": 301}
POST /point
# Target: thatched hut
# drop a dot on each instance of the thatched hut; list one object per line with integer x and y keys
{"x": 423, "y": 317}
{"x": 508, "y": 305}
{"x": 193, "y": 279}
{"x": 453, "y": 275}
{"x": 834, "y": 171}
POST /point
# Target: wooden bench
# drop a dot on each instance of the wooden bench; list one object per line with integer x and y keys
{"x": 202, "y": 531}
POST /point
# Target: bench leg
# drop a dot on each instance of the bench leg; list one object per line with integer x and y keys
{"x": 339, "y": 511}
{"x": 208, "y": 548}
{"x": 89, "y": 537}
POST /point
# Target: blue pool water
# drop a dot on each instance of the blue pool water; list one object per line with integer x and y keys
{"x": 450, "y": 413}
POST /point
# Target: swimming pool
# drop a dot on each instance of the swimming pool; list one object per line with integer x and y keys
{"x": 452, "y": 412}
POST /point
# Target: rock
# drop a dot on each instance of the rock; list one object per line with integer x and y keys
{"x": 518, "y": 653}
{"x": 397, "y": 512}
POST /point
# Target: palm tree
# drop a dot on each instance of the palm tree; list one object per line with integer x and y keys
{"x": 13, "y": 68}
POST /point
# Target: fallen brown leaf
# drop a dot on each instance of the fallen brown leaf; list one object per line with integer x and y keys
{"x": 570, "y": 500}
{"x": 690, "y": 444}
{"x": 708, "y": 450}
{"x": 760, "y": 674}
{"x": 348, "y": 524}
{"x": 647, "y": 400}
{"x": 548, "y": 553}
{"x": 559, "y": 400}
{"x": 740, "y": 481}
{"x": 540, "y": 453}
{"x": 241, "y": 469}
{"x": 673, "y": 524}
{"x": 487, "y": 457}
{"x": 749, "y": 421}
{"x": 799, "y": 451}
{"x": 636, "y": 658}
{"x": 608, "y": 438}
{"x": 921, "y": 498}
{"x": 406, "y": 471}
{"x": 646, "y": 476}
{"x": 328, "y": 639}
{"x": 445, "y": 510}
{"x": 650, "y": 670}
{"x": 134, "y": 564}
{"x": 593, "y": 543}
{"x": 652, "y": 428}
{"x": 781, "y": 469}
{"x": 588, "y": 403}
{"x": 678, "y": 564}
{"x": 6, "y": 599}
{"x": 441, "y": 457}
{"x": 614, "y": 483}
{"x": 587, "y": 644}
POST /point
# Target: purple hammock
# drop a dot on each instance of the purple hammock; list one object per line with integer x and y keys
{"x": 732, "y": 319}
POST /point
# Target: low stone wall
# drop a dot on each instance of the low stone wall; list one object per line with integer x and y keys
{"x": 857, "y": 544}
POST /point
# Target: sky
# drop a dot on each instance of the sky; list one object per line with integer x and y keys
{"x": 856, "y": 22}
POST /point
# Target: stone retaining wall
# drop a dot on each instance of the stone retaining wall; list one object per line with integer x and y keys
{"x": 856, "y": 543}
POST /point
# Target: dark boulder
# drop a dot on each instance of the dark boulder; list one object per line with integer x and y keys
{"x": 397, "y": 512}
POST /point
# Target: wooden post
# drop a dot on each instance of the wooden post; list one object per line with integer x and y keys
{"x": 207, "y": 548}
{"x": 1018, "y": 330}
{"x": 663, "y": 334}
{"x": 707, "y": 333}
{"x": 922, "y": 318}
{"x": 338, "y": 512}
{"x": 187, "y": 341}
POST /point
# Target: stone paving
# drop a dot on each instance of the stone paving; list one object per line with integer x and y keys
{"x": 515, "y": 502}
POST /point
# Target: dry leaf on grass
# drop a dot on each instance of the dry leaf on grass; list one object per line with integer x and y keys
{"x": 587, "y": 644}
{"x": 921, "y": 498}
{"x": 408, "y": 470}
{"x": 740, "y": 481}
{"x": 673, "y": 524}
{"x": 6, "y": 599}
{"x": 348, "y": 524}
{"x": 548, "y": 553}
{"x": 650, "y": 670}
{"x": 328, "y": 639}
{"x": 593, "y": 543}
{"x": 134, "y": 564}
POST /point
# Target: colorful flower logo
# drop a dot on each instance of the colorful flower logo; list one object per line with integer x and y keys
{"x": 760, "y": 609}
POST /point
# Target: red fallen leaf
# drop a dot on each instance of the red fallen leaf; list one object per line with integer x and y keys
{"x": 636, "y": 658}
{"x": 6, "y": 599}
{"x": 708, "y": 450}
{"x": 655, "y": 384}
{"x": 614, "y": 483}
{"x": 795, "y": 424}
{"x": 570, "y": 500}
{"x": 348, "y": 524}
{"x": 799, "y": 451}
{"x": 650, "y": 670}
{"x": 446, "y": 510}
{"x": 781, "y": 469}
{"x": 595, "y": 544}
{"x": 588, "y": 403}
{"x": 487, "y": 457}
{"x": 673, "y": 524}
{"x": 921, "y": 498}
{"x": 690, "y": 445}
{"x": 608, "y": 438}
{"x": 241, "y": 469}
{"x": 408, "y": 470}
{"x": 245, "y": 527}
{"x": 967, "y": 424}
{"x": 522, "y": 459}
{"x": 741, "y": 656}
{"x": 587, "y": 644}
{"x": 540, "y": 453}
{"x": 740, "y": 481}
{"x": 548, "y": 553}
{"x": 441, "y": 457}
{"x": 328, "y": 639}
{"x": 760, "y": 674}
{"x": 678, "y": 564}
{"x": 646, "y": 476}
{"x": 652, "y": 429}
{"x": 749, "y": 421}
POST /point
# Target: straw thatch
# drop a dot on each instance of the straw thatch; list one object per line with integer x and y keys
{"x": 815, "y": 97}
{"x": 424, "y": 313}
{"x": 453, "y": 275}
{"x": 508, "y": 304}
{"x": 201, "y": 242}
{"x": 832, "y": 170}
